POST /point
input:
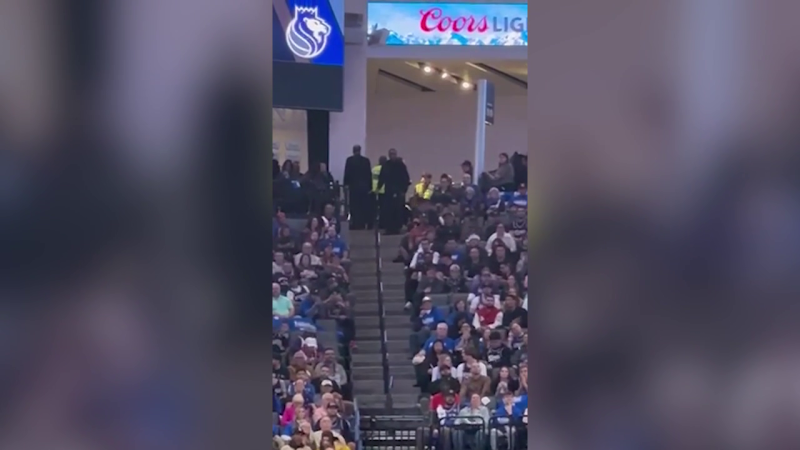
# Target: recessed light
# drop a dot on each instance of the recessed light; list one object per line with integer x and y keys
{"x": 445, "y": 74}
{"x": 427, "y": 69}
{"x": 466, "y": 85}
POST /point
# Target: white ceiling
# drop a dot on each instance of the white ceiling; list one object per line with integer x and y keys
{"x": 383, "y": 86}
{"x": 288, "y": 119}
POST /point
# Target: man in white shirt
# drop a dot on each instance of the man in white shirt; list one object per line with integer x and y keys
{"x": 424, "y": 247}
{"x": 506, "y": 238}
{"x": 463, "y": 368}
{"x": 307, "y": 249}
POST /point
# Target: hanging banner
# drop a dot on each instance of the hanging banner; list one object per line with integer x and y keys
{"x": 475, "y": 24}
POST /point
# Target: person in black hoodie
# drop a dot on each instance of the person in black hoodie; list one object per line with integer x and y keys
{"x": 496, "y": 352}
{"x": 358, "y": 179}
{"x": 395, "y": 179}
{"x": 513, "y": 312}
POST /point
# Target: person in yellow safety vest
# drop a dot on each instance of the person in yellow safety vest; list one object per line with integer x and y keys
{"x": 376, "y": 173}
{"x": 379, "y": 197}
{"x": 424, "y": 189}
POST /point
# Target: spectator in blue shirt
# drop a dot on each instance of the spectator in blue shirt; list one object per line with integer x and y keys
{"x": 335, "y": 241}
{"x": 301, "y": 387}
{"x": 441, "y": 335}
{"x": 429, "y": 315}
{"x": 510, "y": 409}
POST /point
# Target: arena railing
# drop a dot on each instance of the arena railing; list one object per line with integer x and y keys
{"x": 382, "y": 317}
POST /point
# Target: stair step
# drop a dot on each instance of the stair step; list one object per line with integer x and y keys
{"x": 393, "y": 347}
{"x": 368, "y": 387}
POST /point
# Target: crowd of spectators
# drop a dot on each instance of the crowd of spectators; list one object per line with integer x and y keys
{"x": 312, "y": 392}
{"x": 295, "y": 192}
{"x": 466, "y": 258}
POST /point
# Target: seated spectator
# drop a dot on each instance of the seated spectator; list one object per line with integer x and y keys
{"x": 466, "y": 339}
{"x": 516, "y": 336}
{"x": 431, "y": 282}
{"x": 471, "y": 357}
{"x": 500, "y": 178}
{"x": 278, "y": 259}
{"x": 475, "y": 262}
{"x": 329, "y": 442}
{"x": 423, "y": 190}
{"x": 336, "y": 242}
{"x": 448, "y": 410}
{"x": 473, "y": 421}
{"x": 444, "y": 193}
{"x": 487, "y": 314}
{"x": 508, "y": 414}
{"x": 445, "y": 360}
{"x": 500, "y": 235}
{"x": 513, "y": 312}
{"x": 455, "y": 283}
{"x": 301, "y": 387}
{"x": 324, "y": 383}
{"x": 314, "y": 225}
{"x": 498, "y": 259}
{"x": 298, "y": 441}
{"x": 285, "y": 242}
{"x": 474, "y": 413}
{"x": 423, "y": 249}
{"x": 338, "y": 423}
{"x": 445, "y": 379}
{"x": 474, "y": 382}
{"x": 426, "y": 361}
{"x": 504, "y": 383}
{"x": 518, "y": 227}
{"x": 307, "y": 251}
{"x": 518, "y": 198}
{"x": 299, "y": 366}
{"x": 280, "y": 340}
{"x": 336, "y": 370}
{"x": 309, "y": 347}
{"x": 496, "y": 353}
{"x": 296, "y": 409}
{"x": 321, "y": 409}
{"x": 471, "y": 205}
{"x": 325, "y": 425}
{"x": 282, "y": 307}
{"x": 449, "y": 229}
{"x": 459, "y": 316}
{"x": 523, "y": 382}
{"x": 441, "y": 334}
{"x": 493, "y": 204}
{"x": 329, "y": 219}
{"x": 429, "y": 317}
{"x": 520, "y": 355}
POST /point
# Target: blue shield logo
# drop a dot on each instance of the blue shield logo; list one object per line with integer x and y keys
{"x": 307, "y": 34}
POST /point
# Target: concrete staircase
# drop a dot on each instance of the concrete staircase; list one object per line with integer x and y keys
{"x": 405, "y": 396}
{"x": 366, "y": 361}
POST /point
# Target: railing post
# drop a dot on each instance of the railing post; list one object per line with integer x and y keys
{"x": 382, "y": 316}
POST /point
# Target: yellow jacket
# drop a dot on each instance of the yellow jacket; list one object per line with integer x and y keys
{"x": 376, "y": 173}
{"x": 422, "y": 192}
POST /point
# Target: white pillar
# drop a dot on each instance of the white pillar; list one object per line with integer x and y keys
{"x": 480, "y": 130}
{"x": 349, "y": 128}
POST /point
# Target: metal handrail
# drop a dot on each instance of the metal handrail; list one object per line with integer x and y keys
{"x": 382, "y": 317}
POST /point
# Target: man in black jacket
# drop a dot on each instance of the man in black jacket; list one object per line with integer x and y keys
{"x": 358, "y": 179}
{"x": 394, "y": 177}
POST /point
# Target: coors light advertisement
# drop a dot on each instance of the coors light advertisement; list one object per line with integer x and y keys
{"x": 448, "y": 24}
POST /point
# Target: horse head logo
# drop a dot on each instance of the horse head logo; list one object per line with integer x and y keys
{"x": 307, "y": 34}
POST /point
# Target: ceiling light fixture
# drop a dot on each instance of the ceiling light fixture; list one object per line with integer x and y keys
{"x": 466, "y": 85}
{"x": 427, "y": 69}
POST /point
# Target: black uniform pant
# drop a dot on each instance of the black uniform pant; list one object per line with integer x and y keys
{"x": 392, "y": 211}
{"x": 360, "y": 209}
